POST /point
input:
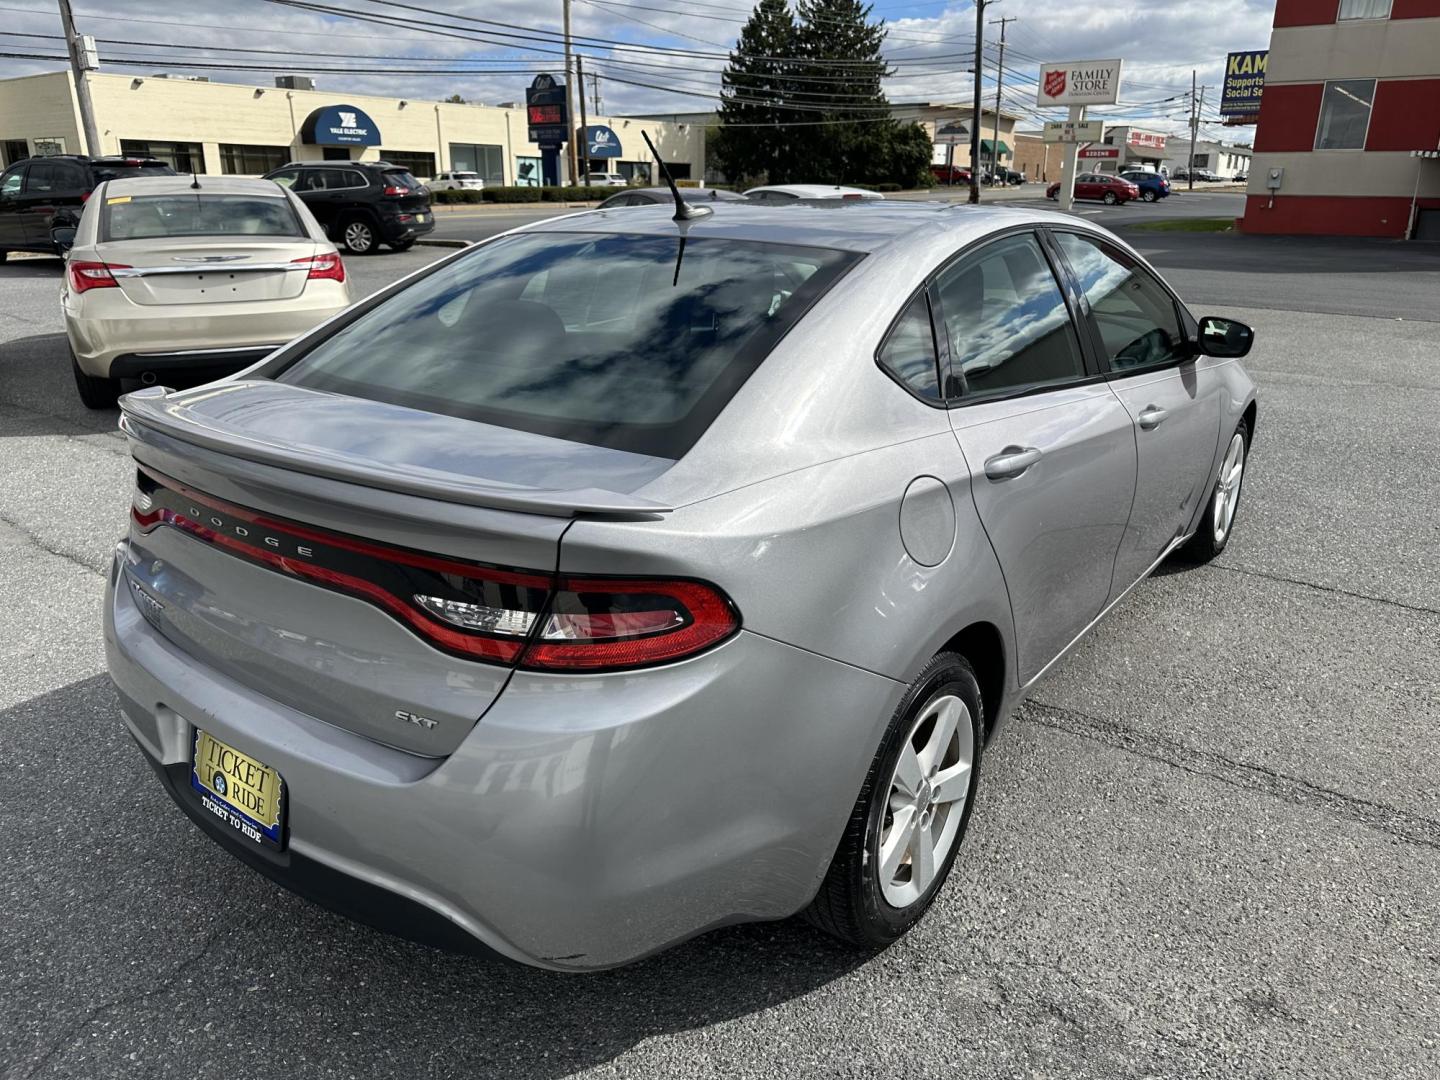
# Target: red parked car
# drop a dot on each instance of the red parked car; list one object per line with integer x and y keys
{"x": 1109, "y": 189}
{"x": 950, "y": 174}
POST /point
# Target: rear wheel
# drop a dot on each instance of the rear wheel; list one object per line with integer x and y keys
{"x": 95, "y": 392}
{"x": 358, "y": 236}
{"x": 1219, "y": 520}
{"x": 1111, "y": 198}
{"x": 907, "y": 824}
{"x": 1149, "y": 196}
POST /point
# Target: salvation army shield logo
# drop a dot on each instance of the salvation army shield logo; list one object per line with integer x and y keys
{"x": 1054, "y": 83}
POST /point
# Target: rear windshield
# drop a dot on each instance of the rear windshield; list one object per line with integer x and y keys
{"x": 401, "y": 178}
{"x": 142, "y": 217}
{"x": 586, "y": 337}
{"x": 112, "y": 170}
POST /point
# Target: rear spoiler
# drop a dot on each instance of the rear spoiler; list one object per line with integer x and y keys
{"x": 147, "y": 420}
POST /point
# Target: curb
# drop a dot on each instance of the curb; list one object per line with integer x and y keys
{"x": 443, "y": 243}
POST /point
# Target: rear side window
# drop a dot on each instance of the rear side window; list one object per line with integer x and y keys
{"x": 1137, "y": 318}
{"x": 611, "y": 340}
{"x": 1007, "y": 322}
{"x": 142, "y": 217}
{"x": 909, "y": 351}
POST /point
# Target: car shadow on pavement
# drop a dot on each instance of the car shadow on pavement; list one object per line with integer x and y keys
{"x": 123, "y": 914}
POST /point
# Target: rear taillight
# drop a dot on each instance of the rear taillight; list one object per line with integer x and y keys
{"x": 480, "y": 612}
{"x": 327, "y": 267}
{"x": 849, "y": 197}
{"x": 395, "y": 189}
{"x": 85, "y": 276}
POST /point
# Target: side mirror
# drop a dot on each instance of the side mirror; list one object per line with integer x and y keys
{"x": 63, "y": 239}
{"x": 1225, "y": 339}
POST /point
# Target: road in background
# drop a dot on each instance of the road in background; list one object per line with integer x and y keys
{"x": 1209, "y": 845}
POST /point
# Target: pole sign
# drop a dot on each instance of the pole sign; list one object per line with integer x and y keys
{"x": 1065, "y": 131}
{"x": 1244, "y": 83}
{"x": 546, "y": 112}
{"x": 1079, "y": 82}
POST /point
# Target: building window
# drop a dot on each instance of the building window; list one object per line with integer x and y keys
{"x": 488, "y": 161}
{"x": 421, "y": 166}
{"x": 1345, "y": 114}
{"x": 183, "y": 157}
{"x": 13, "y": 150}
{"x": 1364, "y": 9}
{"x": 252, "y": 160}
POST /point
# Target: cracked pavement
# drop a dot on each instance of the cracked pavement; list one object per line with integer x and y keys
{"x": 1208, "y": 846}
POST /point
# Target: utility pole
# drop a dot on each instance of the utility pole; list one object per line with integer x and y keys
{"x": 980, "y": 6}
{"x": 595, "y": 82}
{"x": 81, "y": 59}
{"x": 584, "y": 122}
{"x": 569, "y": 93}
{"x": 1194, "y": 127}
{"x": 999, "y": 78}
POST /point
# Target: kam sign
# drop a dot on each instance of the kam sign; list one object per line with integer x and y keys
{"x": 1079, "y": 82}
{"x": 1244, "y": 83}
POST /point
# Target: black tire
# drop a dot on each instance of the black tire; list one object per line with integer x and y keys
{"x": 359, "y": 236}
{"x": 1149, "y": 196}
{"x": 95, "y": 392}
{"x": 1205, "y": 545}
{"x": 3, "y": 256}
{"x": 850, "y": 904}
{"x": 1111, "y": 198}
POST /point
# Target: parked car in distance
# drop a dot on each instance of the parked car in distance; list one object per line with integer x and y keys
{"x": 1241, "y": 178}
{"x": 784, "y": 193}
{"x": 652, "y": 195}
{"x": 740, "y": 534}
{"x": 457, "y": 181}
{"x": 41, "y": 194}
{"x": 1102, "y": 186}
{"x": 166, "y": 276}
{"x": 361, "y": 204}
{"x": 606, "y": 179}
{"x": 1152, "y": 185}
{"x": 950, "y": 174}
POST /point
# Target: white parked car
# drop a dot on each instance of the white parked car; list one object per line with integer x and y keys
{"x": 781, "y": 193}
{"x": 210, "y": 275}
{"x": 605, "y": 179}
{"x": 457, "y": 181}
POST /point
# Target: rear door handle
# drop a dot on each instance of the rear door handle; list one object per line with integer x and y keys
{"x": 1152, "y": 416}
{"x": 1011, "y": 462}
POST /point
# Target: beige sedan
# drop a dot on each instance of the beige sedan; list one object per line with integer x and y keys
{"x": 202, "y": 275}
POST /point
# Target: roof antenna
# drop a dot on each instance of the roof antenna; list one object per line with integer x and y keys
{"x": 683, "y": 210}
{"x": 194, "y": 180}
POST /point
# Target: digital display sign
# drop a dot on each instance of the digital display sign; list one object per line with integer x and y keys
{"x": 546, "y": 114}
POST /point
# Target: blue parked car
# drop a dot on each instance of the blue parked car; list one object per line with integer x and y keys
{"x": 1152, "y": 186}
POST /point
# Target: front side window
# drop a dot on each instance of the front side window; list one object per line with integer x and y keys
{"x": 1138, "y": 320}
{"x": 1345, "y": 114}
{"x": 141, "y": 217}
{"x": 10, "y": 183}
{"x": 1007, "y": 322}
{"x": 624, "y": 341}
{"x": 287, "y": 178}
{"x": 1364, "y": 9}
{"x": 909, "y": 351}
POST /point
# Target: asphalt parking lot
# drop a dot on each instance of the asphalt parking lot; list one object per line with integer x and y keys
{"x": 1209, "y": 846}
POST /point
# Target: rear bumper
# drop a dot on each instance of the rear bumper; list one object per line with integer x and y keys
{"x": 393, "y": 230}
{"x": 583, "y": 823}
{"x": 104, "y": 326}
{"x": 134, "y": 365}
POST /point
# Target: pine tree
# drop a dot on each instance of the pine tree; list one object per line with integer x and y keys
{"x": 755, "y": 87}
{"x": 852, "y": 145}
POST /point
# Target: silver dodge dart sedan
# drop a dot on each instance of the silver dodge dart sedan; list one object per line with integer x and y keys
{"x": 627, "y": 576}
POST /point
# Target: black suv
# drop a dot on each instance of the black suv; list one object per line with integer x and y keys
{"x": 361, "y": 204}
{"x": 39, "y": 195}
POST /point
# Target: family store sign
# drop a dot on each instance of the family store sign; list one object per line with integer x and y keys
{"x": 1080, "y": 82}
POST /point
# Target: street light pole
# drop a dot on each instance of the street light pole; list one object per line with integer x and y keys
{"x": 584, "y": 122}
{"x": 76, "y": 48}
{"x": 1194, "y": 126}
{"x": 569, "y": 94}
{"x": 980, "y": 6}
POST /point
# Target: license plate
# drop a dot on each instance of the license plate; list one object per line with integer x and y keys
{"x": 246, "y": 794}
{"x": 420, "y": 218}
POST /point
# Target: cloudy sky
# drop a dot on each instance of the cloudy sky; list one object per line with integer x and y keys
{"x": 649, "y": 58}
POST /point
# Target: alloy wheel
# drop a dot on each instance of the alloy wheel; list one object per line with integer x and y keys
{"x": 358, "y": 237}
{"x": 926, "y": 801}
{"x": 1227, "y": 488}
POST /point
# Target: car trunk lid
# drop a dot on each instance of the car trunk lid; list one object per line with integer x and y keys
{"x": 208, "y": 270}
{"x": 328, "y": 594}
